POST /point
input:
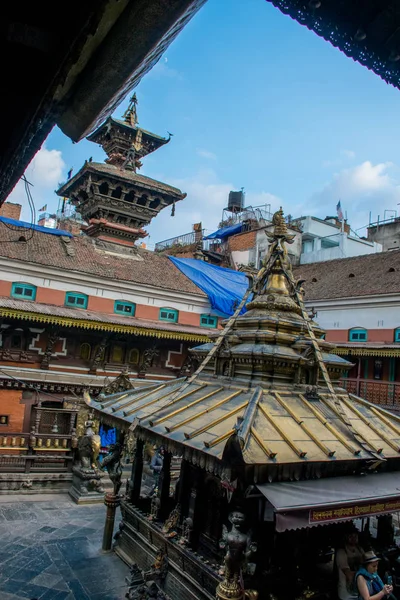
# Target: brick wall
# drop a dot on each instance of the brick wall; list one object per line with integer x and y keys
{"x": 11, "y": 210}
{"x": 10, "y": 404}
{"x": 242, "y": 241}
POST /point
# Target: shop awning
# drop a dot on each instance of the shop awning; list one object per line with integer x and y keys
{"x": 308, "y": 503}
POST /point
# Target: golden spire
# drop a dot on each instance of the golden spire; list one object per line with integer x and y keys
{"x": 276, "y": 271}
{"x": 130, "y": 115}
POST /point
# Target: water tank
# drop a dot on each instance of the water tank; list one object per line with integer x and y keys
{"x": 236, "y": 201}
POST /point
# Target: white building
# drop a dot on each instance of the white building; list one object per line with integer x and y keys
{"x": 326, "y": 240}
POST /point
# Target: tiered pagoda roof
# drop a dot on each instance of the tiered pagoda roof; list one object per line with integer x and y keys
{"x": 115, "y": 201}
{"x": 260, "y": 397}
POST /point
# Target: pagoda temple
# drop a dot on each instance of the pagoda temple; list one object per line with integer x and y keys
{"x": 114, "y": 200}
{"x": 269, "y": 442}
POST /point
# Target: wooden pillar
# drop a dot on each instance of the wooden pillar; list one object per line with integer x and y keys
{"x": 392, "y": 369}
{"x": 183, "y": 496}
{"x": 196, "y": 505}
{"x": 163, "y": 486}
{"x": 52, "y": 338}
{"x": 136, "y": 474}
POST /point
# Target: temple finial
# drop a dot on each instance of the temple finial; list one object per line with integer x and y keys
{"x": 280, "y": 227}
{"x": 130, "y": 115}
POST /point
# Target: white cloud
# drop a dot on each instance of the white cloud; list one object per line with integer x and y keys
{"x": 206, "y": 154}
{"x": 361, "y": 189}
{"x": 44, "y": 173}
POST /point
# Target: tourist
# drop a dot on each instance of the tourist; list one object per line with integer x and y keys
{"x": 370, "y": 586}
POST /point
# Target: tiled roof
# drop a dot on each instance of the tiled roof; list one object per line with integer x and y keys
{"x": 82, "y": 255}
{"x": 87, "y": 319}
{"x": 151, "y": 184}
{"x": 372, "y": 274}
{"x": 242, "y": 241}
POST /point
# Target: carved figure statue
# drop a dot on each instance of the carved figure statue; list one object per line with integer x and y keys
{"x": 159, "y": 568}
{"x": 148, "y": 357}
{"x": 187, "y": 528}
{"x": 172, "y": 522}
{"x": 112, "y": 463}
{"x": 89, "y": 448}
{"x": 239, "y": 547}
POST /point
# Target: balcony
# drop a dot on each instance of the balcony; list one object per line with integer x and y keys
{"x": 187, "y": 239}
{"x": 383, "y": 393}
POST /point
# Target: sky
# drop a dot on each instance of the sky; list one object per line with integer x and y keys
{"x": 253, "y": 100}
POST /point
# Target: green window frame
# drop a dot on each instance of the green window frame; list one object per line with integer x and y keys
{"x": 358, "y": 335}
{"x": 122, "y": 307}
{"x": 23, "y": 291}
{"x": 168, "y": 314}
{"x": 76, "y": 300}
{"x": 208, "y": 321}
{"x": 397, "y": 335}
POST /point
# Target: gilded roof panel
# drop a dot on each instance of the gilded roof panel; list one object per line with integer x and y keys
{"x": 286, "y": 427}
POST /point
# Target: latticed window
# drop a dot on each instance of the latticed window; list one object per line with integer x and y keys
{"x": 76, "y": 300}
{"x": 124, "y": 308}
{"x": 208, "y": 321}
{"x": 168, "y": 314}
{"x": 358, "y": 335}
{"x": 25, "y": 291}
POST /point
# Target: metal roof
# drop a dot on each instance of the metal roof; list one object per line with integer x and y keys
{"x": 279, "y": 426}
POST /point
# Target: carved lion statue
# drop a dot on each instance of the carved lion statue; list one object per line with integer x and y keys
{"x": 88, "y": 451}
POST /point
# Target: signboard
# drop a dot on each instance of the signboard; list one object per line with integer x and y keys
{"x": 353, "y": 511}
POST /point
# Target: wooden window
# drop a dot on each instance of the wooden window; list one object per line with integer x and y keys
{"x": 124, "y": 308}
{"x": 16, "y": 341}
{"x": 85, "y": 351}
{"x": 117, "y": 354}
{"x": 358, "y": 335}
{"x": 133, "y": 356}
{"x": 24, "y": 291}
{"x": 76, "y": 300}
{"x": 3, "y": 419}
{"x": 168, "y": 314}
{"x": 208, "y": 321}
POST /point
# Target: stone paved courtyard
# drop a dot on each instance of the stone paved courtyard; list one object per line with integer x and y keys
{"x": 50, "y": 549}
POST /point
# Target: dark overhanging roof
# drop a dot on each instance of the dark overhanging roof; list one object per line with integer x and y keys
{"x": 368, "y": 31}
{"x": 74, "y": 70}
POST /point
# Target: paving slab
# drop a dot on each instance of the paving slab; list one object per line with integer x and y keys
{"x": 51, "y": 550}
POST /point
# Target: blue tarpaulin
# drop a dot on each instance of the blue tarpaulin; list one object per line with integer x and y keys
{"x": 35, "y": 227}
{"x": 108, "y": 436}
{"x": 225, "y": 232}
{"x": 225, "y": 288}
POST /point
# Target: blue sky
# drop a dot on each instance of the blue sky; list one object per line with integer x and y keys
{"x": 254, "y": 100}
